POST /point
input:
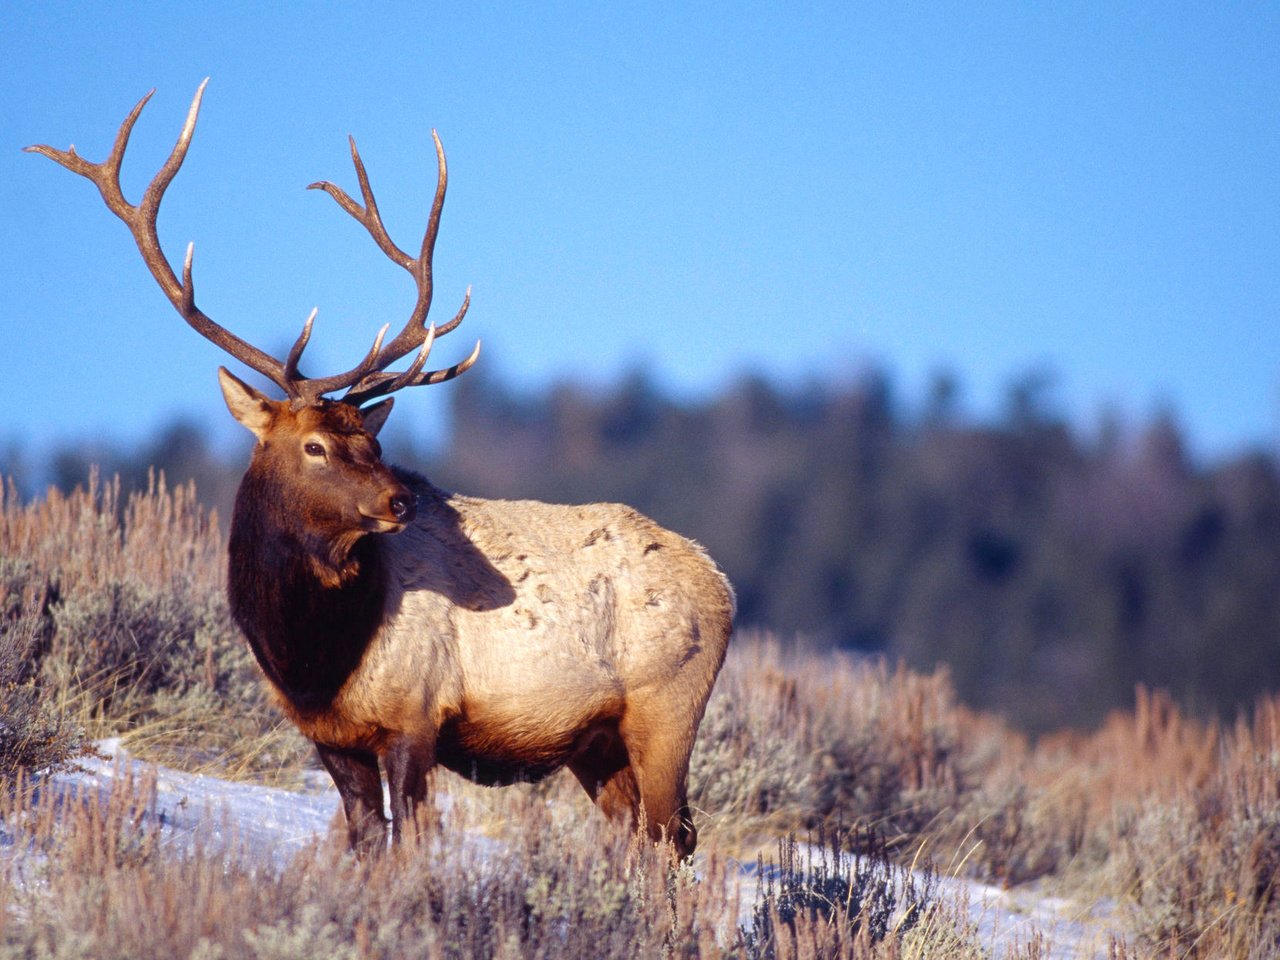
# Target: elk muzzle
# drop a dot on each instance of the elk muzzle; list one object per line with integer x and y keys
{"x": 391, "y": 511}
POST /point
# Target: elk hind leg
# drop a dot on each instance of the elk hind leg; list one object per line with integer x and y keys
{"x": 660, "y": 759}
{"x": 603, "y": 768}
{"x": 631, "y": 775}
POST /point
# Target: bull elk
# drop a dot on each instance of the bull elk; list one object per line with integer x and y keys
{"x": 403, "y": 625}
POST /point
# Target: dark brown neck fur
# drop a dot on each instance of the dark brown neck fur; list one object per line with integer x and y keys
{"x": 308, "y": 606}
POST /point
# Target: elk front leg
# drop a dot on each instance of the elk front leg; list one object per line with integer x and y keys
{"x": 355, "y": 774}
{"x": 408, "y": 762}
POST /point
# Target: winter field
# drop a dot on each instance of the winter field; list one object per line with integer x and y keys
{"x": 155, "y": 805}
{"x": 187, "y": 815}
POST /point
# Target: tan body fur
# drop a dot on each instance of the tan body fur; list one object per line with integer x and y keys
{"x": 521, "y": 636}
{"x": 559, "y": 613}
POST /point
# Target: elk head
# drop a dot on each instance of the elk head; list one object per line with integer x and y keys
{"x": 319, "y": 469}
{"x": 322, "y": 454}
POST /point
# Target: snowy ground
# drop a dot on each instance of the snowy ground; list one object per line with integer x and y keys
{"x": 281, "y": 822}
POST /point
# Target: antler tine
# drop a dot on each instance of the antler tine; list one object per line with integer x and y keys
{"x": 141, "y": 221}
{"x": 457, "y": 317}
{"x": 440, "y": 376}
{"x": 295, "y": 352}
{"x": 367, "y": 215}
{"x": 383, "y": 383}
{"x": 428, "y": 249}
{"x": 308, "y": 391}
{"x": 388, "y": 382}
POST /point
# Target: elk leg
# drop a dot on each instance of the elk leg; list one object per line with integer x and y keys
{"x": 661, "y": 764}
{"x": 666, "y": 806}
{"x": 355, "y": 774}
{"x": 408, "y": 764}
{"x": 603, "y": 767}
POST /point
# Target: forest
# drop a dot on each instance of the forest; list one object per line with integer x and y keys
{"x": 1050, "y": 568}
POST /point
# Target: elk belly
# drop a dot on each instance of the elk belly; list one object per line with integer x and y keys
{"x": 500, "y": 748}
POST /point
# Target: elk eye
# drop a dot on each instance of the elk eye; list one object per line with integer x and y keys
{"x": 314, "y": 449}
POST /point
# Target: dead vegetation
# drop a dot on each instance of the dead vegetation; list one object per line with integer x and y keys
{"x": 115, "y": 624}
{"x": 494, "y": 880}
{"x": 112, "y": 622}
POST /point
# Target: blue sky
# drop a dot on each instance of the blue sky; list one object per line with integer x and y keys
{"x": 700, "y": 190}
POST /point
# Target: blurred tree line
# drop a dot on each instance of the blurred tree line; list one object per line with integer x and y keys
{"x": 1052, "y": 571}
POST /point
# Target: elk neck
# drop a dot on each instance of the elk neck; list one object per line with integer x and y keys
{"x": 308, "y": 604}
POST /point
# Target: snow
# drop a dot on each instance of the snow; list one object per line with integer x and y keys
{"x": 1007, "y": 918}
{"x": 191, "y": 806}
{"x": 278, "y": 823}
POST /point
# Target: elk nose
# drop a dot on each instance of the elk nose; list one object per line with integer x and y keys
{"x": 402, "y": 507}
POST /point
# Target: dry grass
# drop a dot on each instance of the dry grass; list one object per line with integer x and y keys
{"x": 1201, "y": 864}
{"x": 793, "y": 741}
{"x": 115, "y": 609}
{"x": 94, "y": 536}
{"x": 113, "y": 623}
{"x": 1175, "y": 818}
{"x": 105, "y": 887}
{"x": 1178, "y": 819}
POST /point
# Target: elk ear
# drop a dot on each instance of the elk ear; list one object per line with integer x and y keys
{"x": 374, "y": 417}
{"x": 251, "y": 408}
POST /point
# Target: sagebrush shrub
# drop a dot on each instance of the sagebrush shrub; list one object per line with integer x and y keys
{"x": 116, "y": 623}
{"x": 134, "y": 642}
{"x": 33, "y": 735}
{"x": 1200, "y": 861}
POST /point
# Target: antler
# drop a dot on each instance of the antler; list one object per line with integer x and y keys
{"x": 368, "y": 378}
{"x": 415, "y": 335}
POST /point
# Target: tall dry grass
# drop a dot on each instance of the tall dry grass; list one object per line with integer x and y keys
{"x": 115, "y": 623}
{"x": 1199, "y": 859}
{"x": 1175, "y": 818}
{"x": 99, "y": 883}
{"x": 792, "y": 741}
{"x": 94, "y": 536}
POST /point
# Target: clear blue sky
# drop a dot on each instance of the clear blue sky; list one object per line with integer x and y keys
{"x": 701, "y": 189}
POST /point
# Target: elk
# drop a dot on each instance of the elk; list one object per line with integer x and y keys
{"x": 401, "y": 626}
